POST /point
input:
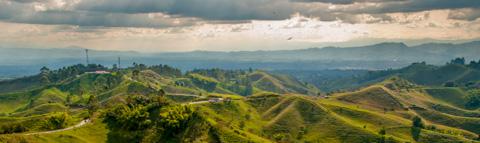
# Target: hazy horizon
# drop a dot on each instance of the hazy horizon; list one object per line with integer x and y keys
{"x": 409, "y": 43}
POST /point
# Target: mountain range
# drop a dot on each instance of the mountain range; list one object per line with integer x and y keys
{"x": 22, "y": 61}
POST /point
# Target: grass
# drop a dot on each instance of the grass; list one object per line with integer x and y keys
{"x": 451, "y": 95}
{"x": 95, "y": 132}
{"x": 12, "y": 102}
{"x": 467, "y": 123}
{"x": 374, "y": 97}
{"x": 42, "y": 109}
{"x": 263, "y": 117}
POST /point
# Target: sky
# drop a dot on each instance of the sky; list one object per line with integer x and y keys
{"x": 233, "y": 25}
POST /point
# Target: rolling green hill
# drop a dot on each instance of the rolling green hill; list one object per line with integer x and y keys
{"x": 152, "y": 104}
{"x": 450, "y": 74}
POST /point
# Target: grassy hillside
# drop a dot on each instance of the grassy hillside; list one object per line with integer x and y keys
{"x": 409, "y": 102}
{"x": 147, "y": 105}
{"x": 275, "y": 118}
{"x": 453, "y": 96}
{"x": 460, "y": 75}
{"x": 249, "y": 82}
{"x": 19, "y": 84}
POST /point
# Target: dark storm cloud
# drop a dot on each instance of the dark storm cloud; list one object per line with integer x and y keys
{"x": 93, "y": 19}
{"x": 25, "y": 13}
{"x": 417, "y": 5}
{"x": 205, "y": 9}
{"x": 346, "y": 1}
{"x": 269, "y": 9}
{"x": 134, "y": 13}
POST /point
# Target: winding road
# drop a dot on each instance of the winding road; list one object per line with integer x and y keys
{"x": 83, "y": 122}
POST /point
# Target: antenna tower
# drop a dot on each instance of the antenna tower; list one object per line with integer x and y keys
{"x": 119, "y": 63}
{"x": 86, "y": 53}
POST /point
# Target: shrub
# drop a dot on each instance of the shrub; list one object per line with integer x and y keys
{"x": 58, "y": 121}
{"x": 175, "y": 117}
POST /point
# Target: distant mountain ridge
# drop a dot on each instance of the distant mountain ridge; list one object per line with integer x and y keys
{"x": 436, "y": 53}
{"x": 377, "y": 56}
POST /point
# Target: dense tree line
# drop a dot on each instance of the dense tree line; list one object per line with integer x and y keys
{"x": 236, "y": 81}
{"x": 473, "y": 99}
{"x": 47, "y": 75}
{"x": 13, "y": 128}
{"x": 475, "y": 65}
{"x": 203, "y": 83}
{"x": 164, "y": 70}
{"x": 461, "y": 61}
{"x": 148, "y": 119}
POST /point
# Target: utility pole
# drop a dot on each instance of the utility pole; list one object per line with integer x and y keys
{"x": 86, "y": 53}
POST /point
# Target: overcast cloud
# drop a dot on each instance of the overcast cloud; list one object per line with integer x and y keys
{"x": 133, "y": 13}
{"x": 200, "y": 22}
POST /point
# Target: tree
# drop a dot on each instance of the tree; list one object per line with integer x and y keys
{"x": 57, "y": 121}
{"x": 473, "y": 99}
{"x": 475, "y": 65}
{"x": 175, "y": 118}
{"x": 69, "y": 99}
{"x": 248, "y": 89}
{"x": 128, "y": 118}
{"x": 417, "y": 126}
{"x": 135, "y": 73}
{"x": 417, "y": 122}
{"x": 92, "y": 104}
{"x": 115, "y": 67}
{"x": 382, "y": 131}
{"x": 460, "y": 61}
{"x": 45, "y": 75}
{"x": 161, "y": 92}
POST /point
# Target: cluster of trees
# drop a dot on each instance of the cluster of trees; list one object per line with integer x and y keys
{"x": 105, "y": 82}
{"x": 57, "y": 121}
{"x": 475, "y": 65}
{"x": 12, "y": 128}
{"x": 164, "y": 70}
{"x": 152, "y": 118}
{"x": 204, "y": 83}
{"x": 461, "y": 61}
{"x": 473, "y": 99}
{"x": 51, "y": 122}
{"x": 233, "y": 80}
{"x": 47, "y": 75}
